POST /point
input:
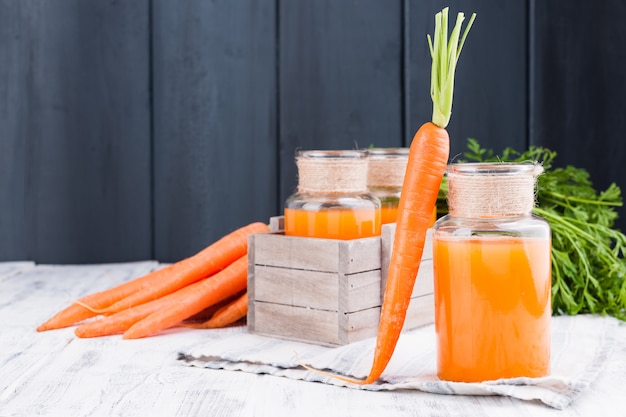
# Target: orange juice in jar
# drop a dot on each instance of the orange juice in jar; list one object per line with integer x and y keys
{"x": 385, "y": 176}
{"x": 332, "y": 200}
{"x": 492, "y": 268}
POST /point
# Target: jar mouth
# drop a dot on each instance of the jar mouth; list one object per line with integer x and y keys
{"x": 495, "y": 168}
{"x": 388, "y": 152}
{"x": 333, "y": 154}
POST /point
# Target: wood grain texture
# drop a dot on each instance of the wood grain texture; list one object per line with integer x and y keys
{"x": 578, "y": 87}
{"x": 215, "y": 161}
{"x": 325, "y": 255}
{"x": 74, "y": 131}
{"x": 318, "y": 290}
{"x": 297, "y": 323}
{"x": 298, "y": 287}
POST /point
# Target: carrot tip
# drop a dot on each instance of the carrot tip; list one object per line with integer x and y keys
{"x": 50, "y": 325}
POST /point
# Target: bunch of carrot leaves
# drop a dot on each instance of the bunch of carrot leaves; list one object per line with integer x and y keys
{"x": 588, "y": 265}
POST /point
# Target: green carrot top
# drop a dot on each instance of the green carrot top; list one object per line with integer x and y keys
{"x": 445, "y": 54}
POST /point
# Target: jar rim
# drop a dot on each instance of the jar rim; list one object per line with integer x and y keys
{"x": 332, "y": 154}
{"x": 494, "y": 168}
{"x": 388, "y": 152}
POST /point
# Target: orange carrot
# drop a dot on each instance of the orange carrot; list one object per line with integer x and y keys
{"x": 205, "y": 263}
{"x": 120, "y": 322}
{"x": 228, "y": 314}
{"x": 92, "y": 304}
{"x": 428, "y": 157}
{"x": 189, "y": 301}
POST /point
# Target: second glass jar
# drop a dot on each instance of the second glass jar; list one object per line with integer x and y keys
{"x": 385, "y": 177}
{"x": 332, "y": 200}
{"x": 492, "y": 270}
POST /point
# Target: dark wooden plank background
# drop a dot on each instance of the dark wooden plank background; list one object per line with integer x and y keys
{"x": 214, "y": 92}
{"x": 578, "y": 86}
{"x": 340, "y": 78}
{"x": 490, "y": 96}
{"x": 148, "y": 129}
{"x": 74, "y": 131}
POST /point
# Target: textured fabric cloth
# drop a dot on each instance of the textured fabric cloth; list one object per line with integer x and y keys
{"x": 580, "y": 348}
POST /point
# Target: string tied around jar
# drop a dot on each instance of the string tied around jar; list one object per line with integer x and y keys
{"x": 491, "y": 190}
{"x": 321, "y": 172}
{"x": 387, "y": 167}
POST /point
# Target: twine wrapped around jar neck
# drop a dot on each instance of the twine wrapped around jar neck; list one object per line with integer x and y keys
{"x": 387, "y": 167}
{"x": 323, "y": 172}
{"x": 490, "y": 190}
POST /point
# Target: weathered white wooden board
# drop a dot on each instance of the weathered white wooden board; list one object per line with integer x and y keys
{"x": 55, "y": 374}
{"x": 8, "y": 269}
{"x": 317, "y": 290}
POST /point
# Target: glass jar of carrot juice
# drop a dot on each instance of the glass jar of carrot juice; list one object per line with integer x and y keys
{"x": 385, "y": 177}
{"x": 492, "y": 271}
{"x": 332, "y": 200}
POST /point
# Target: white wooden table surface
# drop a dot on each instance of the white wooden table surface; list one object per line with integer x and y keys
{"x": 56, "y": 374}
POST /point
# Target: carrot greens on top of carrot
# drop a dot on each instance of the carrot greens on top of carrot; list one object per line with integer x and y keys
{"x": 428, "y": 158}
{"x": 427, "y": 162}
{"x": 445, "y": 55}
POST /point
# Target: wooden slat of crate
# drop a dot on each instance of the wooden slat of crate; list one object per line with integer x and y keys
{"x": 359, "y": 325}
{"x": 324, "y": 255}
{"x": 319, "y": 290}
{"x": 322, "y": 326}
{"x": 310, "y": 325}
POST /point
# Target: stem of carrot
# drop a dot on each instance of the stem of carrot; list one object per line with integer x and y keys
{"x": 445, "y": 54}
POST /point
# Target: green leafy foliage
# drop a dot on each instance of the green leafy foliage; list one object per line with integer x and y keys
{"x": 588, "y": 265}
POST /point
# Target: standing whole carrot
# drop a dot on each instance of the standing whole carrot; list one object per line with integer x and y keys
{"x": 428, "y": 158}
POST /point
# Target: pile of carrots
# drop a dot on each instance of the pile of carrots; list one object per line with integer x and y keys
{"x": 210, "y": 284}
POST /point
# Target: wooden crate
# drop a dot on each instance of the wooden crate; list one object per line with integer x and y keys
{"x": 326, "y": 291}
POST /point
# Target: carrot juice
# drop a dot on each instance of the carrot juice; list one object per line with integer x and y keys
{"x": 492, "y": 306}
{"x": 333, "y": 222}
{"x": 385, "y": 177}
{"x": 388, "y": 212}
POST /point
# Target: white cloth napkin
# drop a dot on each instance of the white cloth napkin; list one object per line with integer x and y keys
{"x": 580, "y": 347}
